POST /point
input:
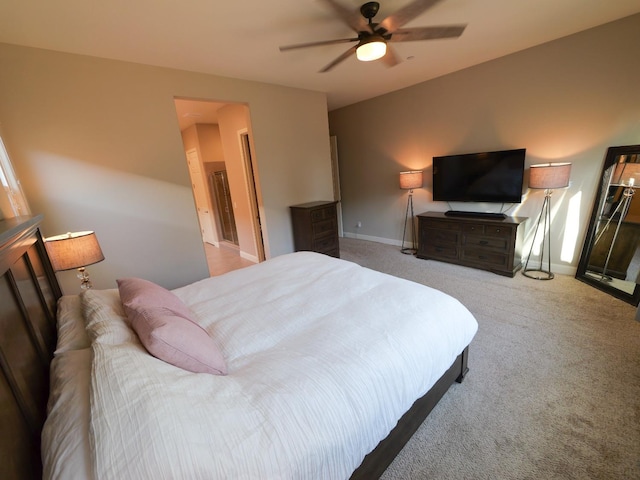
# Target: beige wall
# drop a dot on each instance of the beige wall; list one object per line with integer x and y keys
{"x": 97, "y": 146}
{"x": 211, "y": 143}
{"x": 567, "y": 100}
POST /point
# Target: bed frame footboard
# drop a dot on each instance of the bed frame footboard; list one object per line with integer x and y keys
{"x": 376, "y": 462}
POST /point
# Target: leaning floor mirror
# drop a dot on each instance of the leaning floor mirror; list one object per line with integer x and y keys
{"x": 610, "y": 259}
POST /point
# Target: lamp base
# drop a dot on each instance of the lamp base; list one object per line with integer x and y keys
{"x": 85, "y": 281}
{"x": 545, "y": 219}
{"x": 408, "y": 217}
{"x": 538, "y": 274}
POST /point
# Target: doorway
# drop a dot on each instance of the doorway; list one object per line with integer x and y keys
{"x": 220, "y": 135}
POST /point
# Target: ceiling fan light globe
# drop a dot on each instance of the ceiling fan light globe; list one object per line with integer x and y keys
{"x": 370, "y": 51}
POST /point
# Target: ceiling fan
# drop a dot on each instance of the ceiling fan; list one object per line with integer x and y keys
{"x": 373, "y": 38}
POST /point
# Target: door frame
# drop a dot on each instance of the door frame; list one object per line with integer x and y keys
{"x": 244, "y": 138}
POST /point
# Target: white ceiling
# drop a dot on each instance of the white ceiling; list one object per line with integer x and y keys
{"x": 191, "y": 112}
{"x": 240, "y": 38}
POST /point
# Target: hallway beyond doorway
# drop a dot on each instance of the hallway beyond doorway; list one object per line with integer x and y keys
{"x": 224, "y": 259}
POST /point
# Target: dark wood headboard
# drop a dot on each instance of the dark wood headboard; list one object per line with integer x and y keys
{"x": 29, "y": 293}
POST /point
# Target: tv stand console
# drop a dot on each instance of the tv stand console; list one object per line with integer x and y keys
{"x": 487, "y": 243}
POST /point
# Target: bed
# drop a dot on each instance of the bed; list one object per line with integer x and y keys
{"x": 330, "y": 368}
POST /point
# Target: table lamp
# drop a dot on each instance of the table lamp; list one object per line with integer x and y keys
{"x": 74, "y": 250}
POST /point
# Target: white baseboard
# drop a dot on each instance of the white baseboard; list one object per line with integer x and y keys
{"x": 559, "y": 269}
{"x": 387, "y": 241}
{"x": 251, "y": 258}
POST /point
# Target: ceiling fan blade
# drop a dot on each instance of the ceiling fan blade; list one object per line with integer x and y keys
{"x": 390, "y": 58}
{"x": 352, "y": 18}
{"x": 341, "y": 58}
{"x": 317, "y": 44}
{"x": 427, "y": 33}
{"x": 406, "y": 14}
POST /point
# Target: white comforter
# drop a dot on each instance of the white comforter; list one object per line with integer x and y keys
{"x": 324, "y": 357}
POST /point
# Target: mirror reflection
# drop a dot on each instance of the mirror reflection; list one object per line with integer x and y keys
{"x": 611, "y": 254}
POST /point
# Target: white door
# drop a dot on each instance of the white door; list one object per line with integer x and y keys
{"x": 201, "y": 197}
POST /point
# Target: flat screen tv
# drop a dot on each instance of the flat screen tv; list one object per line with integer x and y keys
{"x": 494, "y": 177}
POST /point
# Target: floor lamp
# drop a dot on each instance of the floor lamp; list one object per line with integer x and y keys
{"x": 546, "y": 176}
{"x": 409, "y": 181}
{"x": 624, "y": 175}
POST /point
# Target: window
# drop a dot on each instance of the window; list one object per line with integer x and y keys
{"x": 12, "y": 203}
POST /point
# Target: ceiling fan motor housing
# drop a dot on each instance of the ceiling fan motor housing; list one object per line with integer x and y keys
{"x": 369, "y": 10}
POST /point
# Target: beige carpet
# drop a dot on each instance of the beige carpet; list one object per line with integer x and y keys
{"x": 554, "y": 384}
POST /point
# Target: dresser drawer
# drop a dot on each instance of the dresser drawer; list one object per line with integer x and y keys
{"x": 486, "y": 258}
{"x": 478, "y": 229}
{"x": 441, "y": 251}
{"x": 332, "y": 253}
{"x": 441, "y": 224}
{"x": 321, "y": 214}
{"x": 440, "y": 237}
{"x": 496, "y": 243}
{"x": 324, "y": 244}
{"x": 324, "y": 227}
{"x": 499, "y": 231}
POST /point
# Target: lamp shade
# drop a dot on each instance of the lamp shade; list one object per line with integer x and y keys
{"x": 549, "y": 175}
{"x": 410, "y": 180}
{"x": 73, "y": 250}
{"x": 626, "y": 174}
{"x": 372, "y": 48}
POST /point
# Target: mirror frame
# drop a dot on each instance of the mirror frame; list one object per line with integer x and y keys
{"x": 610, "y": 159}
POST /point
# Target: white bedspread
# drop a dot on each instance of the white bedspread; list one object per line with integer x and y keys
{"x": 324, "y": 357}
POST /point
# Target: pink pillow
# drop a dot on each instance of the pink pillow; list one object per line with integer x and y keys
{"x": 167, "y": 329}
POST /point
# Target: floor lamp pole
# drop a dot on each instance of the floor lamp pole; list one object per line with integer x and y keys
{"x": 623, "y": 207}
{"x": 545, "y": 217}
{"x": 409, "y": 250}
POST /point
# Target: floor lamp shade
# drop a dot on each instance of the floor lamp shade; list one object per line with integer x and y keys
{"x": 545, "y": 176}
{"x": 549, "y": 175}
{"x": 408, "y": 181}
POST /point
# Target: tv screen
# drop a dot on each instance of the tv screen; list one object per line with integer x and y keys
{"x": 494, "y": 177}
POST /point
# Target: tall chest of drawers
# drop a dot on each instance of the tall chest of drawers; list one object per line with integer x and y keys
{"x": 315, "y": 227}
{"x": 483, "y": 243}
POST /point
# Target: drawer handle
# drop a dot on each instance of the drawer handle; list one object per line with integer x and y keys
{"x": 483, "y": 242}
{"x": 482, "y": 257}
